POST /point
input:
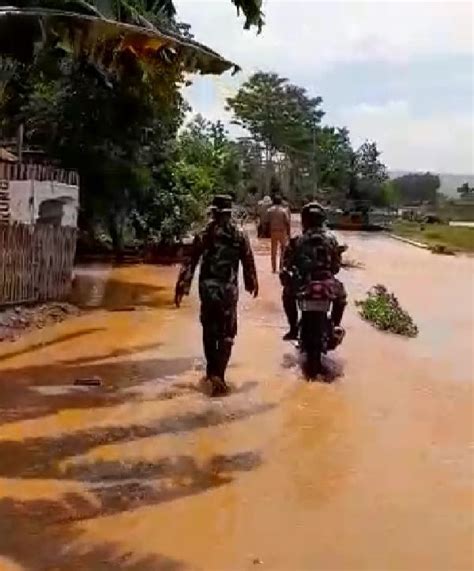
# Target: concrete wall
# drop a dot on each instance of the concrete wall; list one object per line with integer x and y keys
{"x": 27, "y": 195}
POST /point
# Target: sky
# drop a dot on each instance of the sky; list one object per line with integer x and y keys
{"x": 397, "y": 72}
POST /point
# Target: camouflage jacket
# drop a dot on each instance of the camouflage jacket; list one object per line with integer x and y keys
{"x": 220, "y": 249}
{"x": 311, "y": 253}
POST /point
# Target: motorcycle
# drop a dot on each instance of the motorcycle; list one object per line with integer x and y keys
{"x": 317, "y": 333}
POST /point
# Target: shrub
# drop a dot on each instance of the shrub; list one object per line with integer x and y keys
{"x": 442, "y": 249}
{"x": 383, "y": 310}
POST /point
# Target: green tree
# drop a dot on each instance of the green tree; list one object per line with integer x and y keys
{"x": 205, "y": 146}
{"x": 367, "y": 175}
{"x": 389, "y": 196}
{"x": 202, "y": 163}
{"x": 367, "y": 164}
{"x": 77, "y": 116}
{"x": 281, "y": 118}
{"x": 417, "y": 188}
{"x": 279, "y": 115}
{"x": 334, "y": 158}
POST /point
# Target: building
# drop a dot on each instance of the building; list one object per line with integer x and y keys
{"x": 38, "y": 227}
{"x": 32, "y": 193}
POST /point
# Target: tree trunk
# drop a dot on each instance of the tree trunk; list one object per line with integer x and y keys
{"x": 116, "y": 235}
{"x": 268, "y": 170}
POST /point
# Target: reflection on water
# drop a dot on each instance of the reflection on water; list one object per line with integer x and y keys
{"x": 102, "y": 288}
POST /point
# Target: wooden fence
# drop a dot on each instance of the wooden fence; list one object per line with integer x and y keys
{"x": 36, "y": 262}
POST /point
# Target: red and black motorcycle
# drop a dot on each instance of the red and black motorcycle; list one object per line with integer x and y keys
{"x": 317, "y": 334}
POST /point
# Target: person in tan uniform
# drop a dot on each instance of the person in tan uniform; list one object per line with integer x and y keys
{"x": 280, "y": 230}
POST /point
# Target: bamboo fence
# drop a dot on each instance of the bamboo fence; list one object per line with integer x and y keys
{"x": 36, "y": 262}
{"x": 22, "y": 171}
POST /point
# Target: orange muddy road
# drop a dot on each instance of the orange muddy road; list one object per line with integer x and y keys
{"x": 372, "y": 472}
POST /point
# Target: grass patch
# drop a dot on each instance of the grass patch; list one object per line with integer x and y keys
{"x": 383, "y": 310}
{"x": 455, "y": 238}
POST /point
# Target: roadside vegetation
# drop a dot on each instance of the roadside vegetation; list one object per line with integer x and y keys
{"x": 456, "y": 238}
{"x": 383, "y": 310}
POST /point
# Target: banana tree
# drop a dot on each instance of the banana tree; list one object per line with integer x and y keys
{"x": 101, "y": 41}
{"x": 101, "y": 31}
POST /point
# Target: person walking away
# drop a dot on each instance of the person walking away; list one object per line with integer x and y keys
{"x": 262, "y": 216}
{"x": 314, "y": 252}
{"x": 221, "y": 247}
{"x": 280, "y": 230}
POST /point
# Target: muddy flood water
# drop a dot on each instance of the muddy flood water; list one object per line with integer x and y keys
{"x": 147, "y": 473}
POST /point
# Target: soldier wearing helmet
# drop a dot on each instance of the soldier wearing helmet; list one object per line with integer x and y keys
{"x": 314, "y": 252}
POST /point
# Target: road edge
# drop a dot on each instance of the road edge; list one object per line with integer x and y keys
{"x": 409, "y": 241}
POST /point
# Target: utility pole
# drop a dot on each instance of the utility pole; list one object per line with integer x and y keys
{"x": 19, "y": 142}
{"x": 314, "y": 169}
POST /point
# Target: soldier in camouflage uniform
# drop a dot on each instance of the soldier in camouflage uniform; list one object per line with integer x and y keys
{"x": 312, "y": 255}
{"x": 220, "y": 246}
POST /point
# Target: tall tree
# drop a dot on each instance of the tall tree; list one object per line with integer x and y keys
{"x": 281, "y": 117}
{"x": 278, "y": 114}
{"x": 334, "y": 158}
{"x": 367, "y": 175}
{"x": 368, "y": 165}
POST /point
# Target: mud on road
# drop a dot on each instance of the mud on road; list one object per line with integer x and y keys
{"x": 146, "y": 473}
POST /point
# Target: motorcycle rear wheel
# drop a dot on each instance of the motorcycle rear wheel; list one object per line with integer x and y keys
{"x": 312, "y": 329}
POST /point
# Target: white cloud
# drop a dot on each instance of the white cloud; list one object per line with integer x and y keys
{"x": 314, "y": 35}
{"x": 440, "y": 143}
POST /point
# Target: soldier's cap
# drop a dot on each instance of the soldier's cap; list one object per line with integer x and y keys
{"x": 221, "y": 203}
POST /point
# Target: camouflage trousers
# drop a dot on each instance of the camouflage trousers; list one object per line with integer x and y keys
{"x": 219, "y": 328}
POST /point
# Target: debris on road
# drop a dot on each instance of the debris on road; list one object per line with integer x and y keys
{"x": 15, "y": 321}
{"x": 383, "y": 310}
{"x": 89, "y": 382}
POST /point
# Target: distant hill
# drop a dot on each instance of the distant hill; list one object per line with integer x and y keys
{"x": 449, "y": 182}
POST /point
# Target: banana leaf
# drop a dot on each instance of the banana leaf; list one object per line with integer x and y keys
{"x": 102, "y": 41}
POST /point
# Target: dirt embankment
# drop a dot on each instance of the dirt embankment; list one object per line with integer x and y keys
{"x": 15, "y": 321}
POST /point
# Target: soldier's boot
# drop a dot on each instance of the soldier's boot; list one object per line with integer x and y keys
{"x": 220, "y": 387}
{"x": 291, "y": 310}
